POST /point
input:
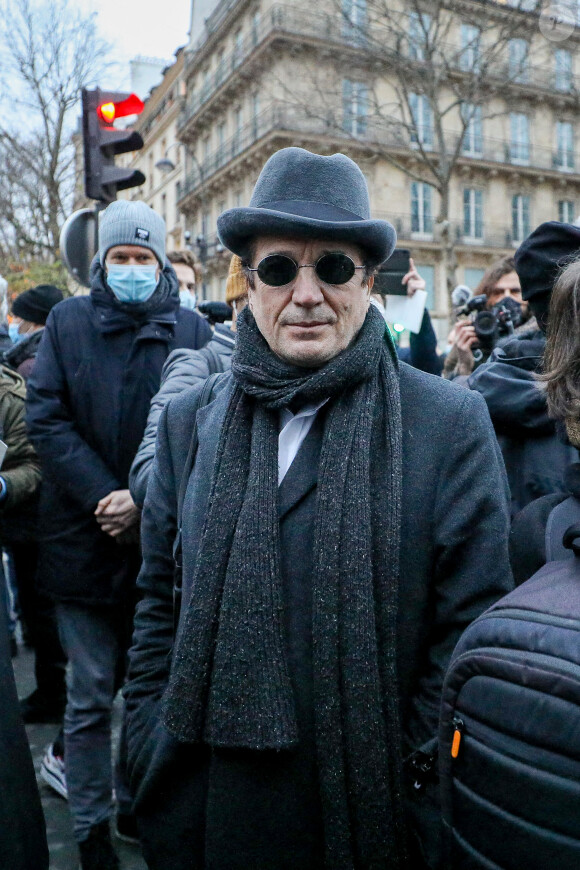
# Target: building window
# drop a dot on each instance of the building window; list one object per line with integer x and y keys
{"x": 472, "y": 277}
{"x": 206, "y": 148}
{"x": 421, "y": 208}
{"x": 520, "y": 138}
{"x": 563, "y": 61}
{"x": 473, "y": 137}
{"x": 472, "y": 213}
{"x": 470, "y": 48}
{"x": 238, "y": 48}
{"x": 255, "y": 106}
{"x": 221, "y": 138}
{"x": 238, "y": 199}
{"x": 354, "y": 107}
{"x": 238, "y": 121}
{"x": 255, "y": 28}
{"x": 564, "y": 145}
{"x": 220, "y": 68}
{"x": 518, "y": 60}
{"x": 422, "y": 117}
{"x": 419, "y": 25}
{"x": 427, "y": 272}
{"x": 164, "y": 207}
{"x": 206, "y": 84}
{"x": 520, "y": 217}
{"x": 204, "y": 226}
{"x": 566, "y": 211}
{"x": 354, "y": 20}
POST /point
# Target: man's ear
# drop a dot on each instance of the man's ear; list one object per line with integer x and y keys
{"x": 371, "y": 282}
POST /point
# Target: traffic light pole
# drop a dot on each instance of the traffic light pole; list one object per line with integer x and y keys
{"x": 102, "y": 141}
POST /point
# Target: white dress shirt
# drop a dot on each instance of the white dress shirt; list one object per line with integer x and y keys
{"x": 294, "y": 429}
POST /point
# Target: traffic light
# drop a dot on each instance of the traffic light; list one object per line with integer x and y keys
{"x": 101, "y": 141}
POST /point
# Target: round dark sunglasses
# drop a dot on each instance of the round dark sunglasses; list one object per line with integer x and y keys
{"x": 276, "y": 270}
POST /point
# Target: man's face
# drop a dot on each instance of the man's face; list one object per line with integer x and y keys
{"x": 185, "y": 276}
{"x": 25, "y": 326}
{"x": 132, "y": 255}
{"x": 508, "y": 285}
{"x": 308, "y": 322}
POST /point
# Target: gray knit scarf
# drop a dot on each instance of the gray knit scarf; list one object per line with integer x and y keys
{"x": 229, "y": 684}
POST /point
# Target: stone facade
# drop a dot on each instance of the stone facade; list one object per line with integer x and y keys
{"x": 260, "y": 75}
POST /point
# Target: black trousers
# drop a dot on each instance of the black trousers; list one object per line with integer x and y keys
{"x": 39, "y": 615}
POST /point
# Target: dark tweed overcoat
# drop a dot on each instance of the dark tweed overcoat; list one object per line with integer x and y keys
{"x": 231, "y": 809}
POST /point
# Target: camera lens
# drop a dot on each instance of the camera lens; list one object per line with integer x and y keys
{"x": 485, "y": 324}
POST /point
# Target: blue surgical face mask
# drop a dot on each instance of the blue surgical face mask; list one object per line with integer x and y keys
{"x": 15, "y": 336}
{"x": 187, "y": 299}
{"x": 132, "y": 283}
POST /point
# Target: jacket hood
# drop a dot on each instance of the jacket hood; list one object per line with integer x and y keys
{"x": 25, "y": 349}
{"x": 161, "y": 306}
{"x": 515, "y": 398}
{"x": 524, "y": 352}
{"x": 11, "y": 382}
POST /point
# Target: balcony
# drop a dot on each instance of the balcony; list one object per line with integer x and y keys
{"x": 384, "y": 135}
{"x": 288, "y": 22}
{"x": 409, "y": 231}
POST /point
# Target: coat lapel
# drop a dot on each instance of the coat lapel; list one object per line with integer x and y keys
{"x": 302, "y": 476}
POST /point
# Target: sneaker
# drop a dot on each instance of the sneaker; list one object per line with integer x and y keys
{"x": 126, "y": 828}
{"x": 97, "y": 851}
{"x": 40, "y": 709}
{"x": 52, "y": 772}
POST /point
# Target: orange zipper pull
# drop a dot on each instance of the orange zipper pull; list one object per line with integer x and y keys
{"x": 458, "y": 723}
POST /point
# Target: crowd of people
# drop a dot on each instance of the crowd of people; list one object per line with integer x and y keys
{"x": 270, "y": 534}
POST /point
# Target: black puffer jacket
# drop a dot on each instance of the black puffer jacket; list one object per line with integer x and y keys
{"x": 535, "y": 456}
{"x": 184, "y": 368}
{"x": 98, "y": 367}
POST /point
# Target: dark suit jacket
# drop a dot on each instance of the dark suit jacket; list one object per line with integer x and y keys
{"x": 454, "y": 564}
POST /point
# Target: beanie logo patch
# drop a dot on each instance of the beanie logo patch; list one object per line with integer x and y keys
{"x": 142, "y": 235}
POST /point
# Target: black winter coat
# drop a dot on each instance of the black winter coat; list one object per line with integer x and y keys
{"x": 454, "y": 564}
{"x": 97, "y": 369}
{"x": 535, "y": 456}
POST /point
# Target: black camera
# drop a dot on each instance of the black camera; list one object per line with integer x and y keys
{"x": 492, "y": 324}
{"x": 215, "y": 312}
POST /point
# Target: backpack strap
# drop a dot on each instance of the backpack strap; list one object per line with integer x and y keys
{"x": 205, "y": 398}
{"x": 560, "y": 518}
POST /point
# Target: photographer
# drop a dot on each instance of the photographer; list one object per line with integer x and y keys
{"x": 535, "y": 455}
{"x": 499, "y": 283}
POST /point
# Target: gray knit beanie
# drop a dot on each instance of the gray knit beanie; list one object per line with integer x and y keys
{"x": 131, "y": 223}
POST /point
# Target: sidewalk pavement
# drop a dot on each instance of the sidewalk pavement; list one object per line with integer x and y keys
{"x": 61, "y": 843}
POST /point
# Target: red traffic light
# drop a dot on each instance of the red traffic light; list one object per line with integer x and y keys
{"x": 109, "y": 112}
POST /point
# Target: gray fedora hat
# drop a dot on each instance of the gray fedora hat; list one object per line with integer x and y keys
{"x": 306, "y": 195}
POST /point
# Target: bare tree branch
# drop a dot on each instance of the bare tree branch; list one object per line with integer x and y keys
{"x": 452, "y": 73}
{"x": 50, "y": 51}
